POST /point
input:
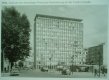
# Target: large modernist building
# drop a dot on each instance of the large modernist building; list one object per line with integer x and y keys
{"x": 57, "y": 40}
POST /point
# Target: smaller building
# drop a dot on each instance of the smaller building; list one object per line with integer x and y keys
{"x": 94, "y": 55}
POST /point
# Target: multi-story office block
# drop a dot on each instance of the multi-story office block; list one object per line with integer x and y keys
{"x": 95, "y": 55}
{"x": 57, "y": 40}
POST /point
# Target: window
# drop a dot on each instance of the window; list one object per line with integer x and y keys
{"x": 79, "y": 52}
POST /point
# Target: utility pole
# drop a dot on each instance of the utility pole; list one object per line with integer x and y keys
{"x": 99, "y": 63}
{"x": 50, "y": 60}
{"x": 35, "y": 43}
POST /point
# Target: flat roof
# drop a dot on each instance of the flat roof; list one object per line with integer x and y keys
{"x": 57, "y": 17}
{"x": 102, "y": 44}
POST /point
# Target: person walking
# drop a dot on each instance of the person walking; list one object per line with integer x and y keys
{"x": 20, "y": 65}
{"x": 95, "y": 72}
{"x": 103, "y": 71}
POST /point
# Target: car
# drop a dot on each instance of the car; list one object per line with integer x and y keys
{"x": 44, "y": 69}
{"x": 59, "y": 68}
{"x": 28, "y": 67}
{"x": 14, "y": 72}
{"x": 66, "y": 71}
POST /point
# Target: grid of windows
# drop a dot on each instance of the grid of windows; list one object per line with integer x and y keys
{"x": 57, "y": 40}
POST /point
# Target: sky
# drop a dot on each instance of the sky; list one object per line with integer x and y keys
{"x": 95, "y": 19}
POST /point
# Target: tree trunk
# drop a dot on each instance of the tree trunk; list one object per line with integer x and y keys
{"x": 10, "y": 66}
{"x": 2, "y": 63}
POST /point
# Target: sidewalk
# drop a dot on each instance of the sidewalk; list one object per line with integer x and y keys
{"x": 5, "y": 74}
{"x": 9, "y": 74}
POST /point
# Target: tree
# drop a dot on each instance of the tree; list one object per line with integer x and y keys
{"x": 16, "y": 32}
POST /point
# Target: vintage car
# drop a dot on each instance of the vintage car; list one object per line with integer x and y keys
{"x": 44, "y": 69}
{"x": 66, "y": 71}
{"x": 14, "y": 72}
{"x": 59, "y": 68}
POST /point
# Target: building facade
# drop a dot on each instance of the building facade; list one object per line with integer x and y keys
{"x": 95, "y": 55}
{"x": 57, "y": 40}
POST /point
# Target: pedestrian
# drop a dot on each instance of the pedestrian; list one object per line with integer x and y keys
{"x": 95, "y": 72}
{"x": 103, "y": 71}
{"x": 16, "y": 65}
{"x": 12, "y": 64}
{"x": 20, "y": 65}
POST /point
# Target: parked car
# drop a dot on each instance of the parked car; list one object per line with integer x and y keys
{"x": 59, "y": 68}
{"x": 66, "y": 71}
{"x": 44, "y": 69}
{"x": 14, "y": 72}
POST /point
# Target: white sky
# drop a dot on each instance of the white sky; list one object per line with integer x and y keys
{"x": 95, "y": 19}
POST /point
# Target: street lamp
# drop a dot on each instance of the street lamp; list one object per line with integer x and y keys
{"x": 50, "y": 58}
{"x": 72, "y": 65}
{"x": 99, "y": 62}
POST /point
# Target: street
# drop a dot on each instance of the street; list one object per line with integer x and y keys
{"x": 53, "y": 74}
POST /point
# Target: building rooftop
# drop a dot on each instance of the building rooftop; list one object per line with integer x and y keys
{"x": 102, "y": 44}
{"x": 57, "y": 17}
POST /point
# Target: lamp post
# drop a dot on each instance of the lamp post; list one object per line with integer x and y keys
{"x": 99, "y": 64}
{"x": 72, "y": 65}
{"x": 50, "y": 58}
